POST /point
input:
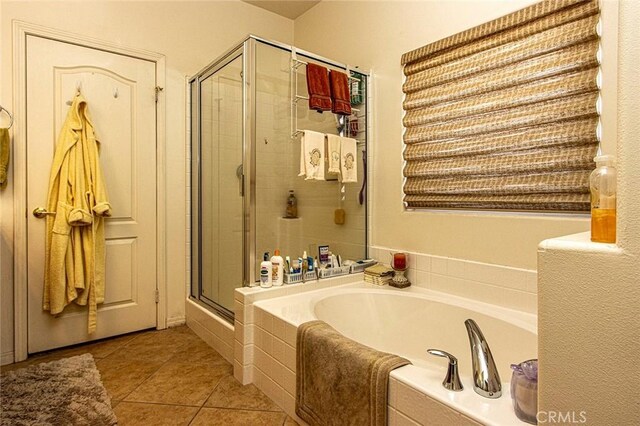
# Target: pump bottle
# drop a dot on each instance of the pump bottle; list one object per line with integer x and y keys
{"x": 602, "y": 182}
{"x": 277, "y": 265}
{"x": 266, "y": 268}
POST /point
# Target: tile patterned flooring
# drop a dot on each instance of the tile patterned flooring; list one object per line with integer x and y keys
{"x": 171, "y": 377}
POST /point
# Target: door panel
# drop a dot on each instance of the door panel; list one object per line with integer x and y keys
{"x": 221, "y": 180}
{"x": 120, "y": 92}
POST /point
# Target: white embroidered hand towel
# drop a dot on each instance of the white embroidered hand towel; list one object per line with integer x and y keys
{"x": 334, "y": 143}
{"x": 348, "y": 160}
{"x": 312, "y": 155}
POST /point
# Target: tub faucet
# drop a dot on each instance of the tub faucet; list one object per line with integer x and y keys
{"x": 486, "y": 380}
{"x": 452, "y": 380}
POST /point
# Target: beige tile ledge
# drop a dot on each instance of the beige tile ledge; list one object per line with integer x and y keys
{"x": 579, "y": 243}
{"x": 249, "y": 295}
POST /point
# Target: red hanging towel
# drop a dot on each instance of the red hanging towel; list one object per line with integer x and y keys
{"x": 340, "y": 93}
{"x": 318, "y": 87}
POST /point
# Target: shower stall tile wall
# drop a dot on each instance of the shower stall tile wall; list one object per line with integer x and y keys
{"x": 277, "y": 168}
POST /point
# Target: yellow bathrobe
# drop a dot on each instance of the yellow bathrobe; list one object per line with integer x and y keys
{"x": 75, "y": 241}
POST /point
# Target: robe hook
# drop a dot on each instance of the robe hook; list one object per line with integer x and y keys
{"x": 6, "y": 111}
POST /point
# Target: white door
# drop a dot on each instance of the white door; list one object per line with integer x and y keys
{"x": 120, "y": 93}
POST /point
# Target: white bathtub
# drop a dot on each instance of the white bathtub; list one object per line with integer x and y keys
{"x": 410, "y": 321}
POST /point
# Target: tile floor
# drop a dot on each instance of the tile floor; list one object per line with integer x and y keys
{"x": 171, "y": 377}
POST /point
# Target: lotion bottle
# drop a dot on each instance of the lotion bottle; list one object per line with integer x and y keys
{"x": 266, "y": 271}
{"x": 277, "y": 265}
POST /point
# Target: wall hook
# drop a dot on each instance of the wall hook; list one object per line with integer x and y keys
{"x": 115, "y": 93}
{"x": 6, "y": 111}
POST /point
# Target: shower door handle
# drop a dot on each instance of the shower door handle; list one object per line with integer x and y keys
{"x": 240, "y": 176}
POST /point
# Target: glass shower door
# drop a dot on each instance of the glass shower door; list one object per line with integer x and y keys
{"x": 220, "y": 206}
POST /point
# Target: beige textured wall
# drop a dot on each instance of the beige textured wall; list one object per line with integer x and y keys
{"x": 589, "y": 293}
{"x": 373, "y": 35}
{"x": 190, "y": 34}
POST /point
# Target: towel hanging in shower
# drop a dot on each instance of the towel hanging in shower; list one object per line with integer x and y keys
{"x": 318, "y": 88}
{"x": 312, "y": 155}
{"x": 348, "y": 160}
{"x": 340, "y": 93}
{"x": 334, "y": 143}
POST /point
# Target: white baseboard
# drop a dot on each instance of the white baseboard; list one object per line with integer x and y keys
{"x": 7, "y": 358}
{"x": 176, "y": 321}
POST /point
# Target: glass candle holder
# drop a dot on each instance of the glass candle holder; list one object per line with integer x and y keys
{"x": 399, "y": 261}
{"x": 399, "y": 266}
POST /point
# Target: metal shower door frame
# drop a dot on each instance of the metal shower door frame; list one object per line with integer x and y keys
{"x": 196, "y": 179}
{"x": 246, "y": 48}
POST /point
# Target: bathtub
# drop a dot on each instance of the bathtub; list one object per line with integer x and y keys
{"x": 408, "y": 322}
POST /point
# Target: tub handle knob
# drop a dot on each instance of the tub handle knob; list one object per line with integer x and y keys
{"x": 452, "y": 379}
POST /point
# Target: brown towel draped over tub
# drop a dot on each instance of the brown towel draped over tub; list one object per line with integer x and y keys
{"x": 318, "y": 88}
{"x": 339, "y": 381}
{"x": 340, "y": 93}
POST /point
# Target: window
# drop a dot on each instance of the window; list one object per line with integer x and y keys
{"x": 504, "y": 116}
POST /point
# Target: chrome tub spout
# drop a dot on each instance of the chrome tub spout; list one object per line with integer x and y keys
{"x": 486, "y": 380}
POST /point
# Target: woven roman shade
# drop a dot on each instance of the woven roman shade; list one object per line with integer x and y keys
{"x": 504, "y": 116}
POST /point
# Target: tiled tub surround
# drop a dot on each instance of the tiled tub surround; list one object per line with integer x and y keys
{"x": 416, "y": 394}
{"x": 246, "y": 337}
{"x": 269, "y": 347}
{"x": 513, "y": 288}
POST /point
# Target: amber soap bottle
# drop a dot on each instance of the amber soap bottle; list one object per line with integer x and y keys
{"x": 602, "y": 182}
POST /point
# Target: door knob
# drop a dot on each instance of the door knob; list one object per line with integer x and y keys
{"x": 41, "y": 212}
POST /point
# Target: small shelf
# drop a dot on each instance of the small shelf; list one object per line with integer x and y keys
{"x": 578, "y": 243}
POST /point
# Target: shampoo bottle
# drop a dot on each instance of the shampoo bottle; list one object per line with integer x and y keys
{"x": 277, "y": 265}
{"x": 602, "y": 182}
{"x": 266, "y": 271}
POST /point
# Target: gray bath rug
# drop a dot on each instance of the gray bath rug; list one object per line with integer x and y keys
{"x": 63, "y": 392}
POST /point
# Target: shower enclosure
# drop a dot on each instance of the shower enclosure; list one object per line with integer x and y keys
{"x": 248, "y": 110}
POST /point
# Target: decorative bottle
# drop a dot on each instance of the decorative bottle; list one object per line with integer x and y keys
{"x": 292, "y": 205}
{"x": 602, "y": 182}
